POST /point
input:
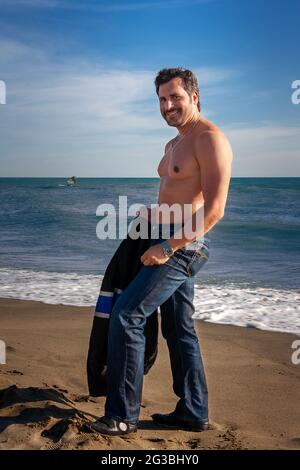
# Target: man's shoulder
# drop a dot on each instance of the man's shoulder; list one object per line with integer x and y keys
{"x": 211, "y": 139}
{"x": 209, "y": 134}
{"x": 209, "y": 129}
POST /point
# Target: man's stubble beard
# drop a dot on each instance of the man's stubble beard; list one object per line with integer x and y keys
{"x": 181, "y": 118}
{"x": 176, "y": 121}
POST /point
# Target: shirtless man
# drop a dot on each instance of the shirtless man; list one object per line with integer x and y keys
{"x": 195, "y": 170}
{"x": 199, "y": 167}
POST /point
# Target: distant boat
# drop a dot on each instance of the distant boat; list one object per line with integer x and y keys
{"x": 71, "y": 181}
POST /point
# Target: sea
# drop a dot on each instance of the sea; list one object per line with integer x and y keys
{"x": 50, "y": 251}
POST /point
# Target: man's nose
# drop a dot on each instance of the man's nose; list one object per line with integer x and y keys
{"x": 168, "y": 105}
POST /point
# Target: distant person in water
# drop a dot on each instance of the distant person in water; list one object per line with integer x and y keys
{"x": 195, "y": 171}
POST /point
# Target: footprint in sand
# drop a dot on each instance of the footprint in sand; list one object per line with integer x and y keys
{"x": 14, "y": 372}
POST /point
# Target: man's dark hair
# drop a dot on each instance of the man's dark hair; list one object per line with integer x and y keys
{"x": 190, "y": 82}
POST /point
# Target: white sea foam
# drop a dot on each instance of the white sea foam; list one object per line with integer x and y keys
{"x": 50, "y": 287}
{"x": 263, "y": 308}
{"x": 260, "y": 307}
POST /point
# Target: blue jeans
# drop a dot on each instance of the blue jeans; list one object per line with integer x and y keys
{"x": 170, "y": 286}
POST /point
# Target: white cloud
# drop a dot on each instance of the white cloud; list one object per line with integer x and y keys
{"x": 60, "y": 111}
{"x": 264, "y": 132}
{"x": 104, "y": 120}
{"x": 12, "y": 51}
{"x": 266, "y": 149}
{"x": 100, "y": 8}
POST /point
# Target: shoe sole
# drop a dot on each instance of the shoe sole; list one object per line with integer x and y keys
{"x": 182, "y": 427}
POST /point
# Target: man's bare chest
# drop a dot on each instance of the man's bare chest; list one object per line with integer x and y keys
{"x": 178, "y": 164}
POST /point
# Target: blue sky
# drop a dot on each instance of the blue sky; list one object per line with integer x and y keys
{"x": 79, "y": 80}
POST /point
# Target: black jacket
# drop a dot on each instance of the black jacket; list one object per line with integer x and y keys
{"x": 123, "y": 267}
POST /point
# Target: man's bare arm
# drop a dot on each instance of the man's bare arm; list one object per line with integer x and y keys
{"x": 214, "y": 155}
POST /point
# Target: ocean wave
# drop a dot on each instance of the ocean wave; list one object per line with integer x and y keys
{"x": 256, "y": 307}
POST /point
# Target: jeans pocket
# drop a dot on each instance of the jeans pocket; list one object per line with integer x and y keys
{"x": 202, "y": 253}
{"x": 181, "y": 258}
{"x": 199, "y": 258}
{"x": 180, "y": 261}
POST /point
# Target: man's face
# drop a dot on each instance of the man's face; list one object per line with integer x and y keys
{"x": 176, "y": 105}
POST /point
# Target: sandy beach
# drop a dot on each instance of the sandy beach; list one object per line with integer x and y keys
{"x": 253, "y": 385}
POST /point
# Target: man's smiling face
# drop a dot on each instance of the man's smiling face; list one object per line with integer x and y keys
{"x": 176, "y": 105}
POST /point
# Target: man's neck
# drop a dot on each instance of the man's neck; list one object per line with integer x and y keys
{"x": 189, "y": 124}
